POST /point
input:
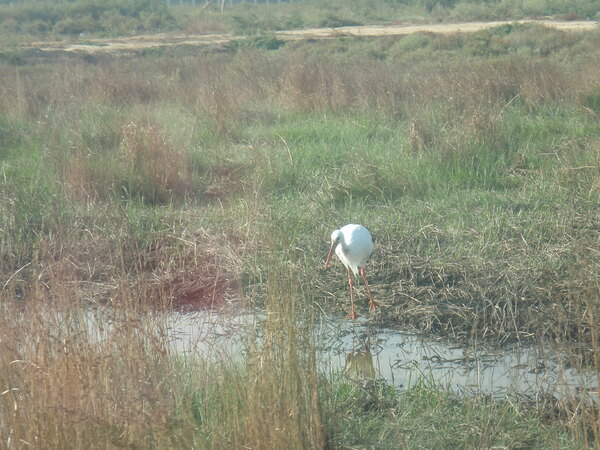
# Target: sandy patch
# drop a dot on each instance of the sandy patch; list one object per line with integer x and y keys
{"x": 170, "y": 40}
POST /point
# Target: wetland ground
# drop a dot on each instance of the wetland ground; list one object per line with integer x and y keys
{"x": 203, "y": 177}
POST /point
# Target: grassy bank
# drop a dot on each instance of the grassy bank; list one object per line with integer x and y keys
{"x": 192, "y": 178}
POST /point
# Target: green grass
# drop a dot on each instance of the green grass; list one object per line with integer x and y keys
{"x": 186, "y": 177}
{"x": 425, "y": 417}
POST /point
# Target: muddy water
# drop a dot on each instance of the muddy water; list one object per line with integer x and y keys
{"x": 403, "y": 360}
{"x": 406, "y": 359}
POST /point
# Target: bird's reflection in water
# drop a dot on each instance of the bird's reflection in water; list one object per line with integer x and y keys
{"x": 359, "y": 365}
{"x": 359, "y": 362}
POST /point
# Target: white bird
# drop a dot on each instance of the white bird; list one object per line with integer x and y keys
{"x": 353, "y": 245}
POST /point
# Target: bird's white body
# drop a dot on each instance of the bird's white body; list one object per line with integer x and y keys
{"x": 355, "y": 246}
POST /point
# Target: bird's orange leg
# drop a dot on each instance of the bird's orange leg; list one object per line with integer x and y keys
{"x": 352, "y": 315}
{"x": 372, "y": 304}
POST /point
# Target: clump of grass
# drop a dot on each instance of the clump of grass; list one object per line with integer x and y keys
{"x": 66, "y": 388}
{"x": 287, "y": 408}
{"x": 270, "y": 395}
{"x": 262, "y": 42}
{"x": 160, "y": 171}
{"x": 373, "y": 414}
{"x": 591, "y": 99}
{"x": 111, "y": 157}
{"x": 579, "y": 411}
{"x": 198, "y": 272}
{"x": 490, "y": 423}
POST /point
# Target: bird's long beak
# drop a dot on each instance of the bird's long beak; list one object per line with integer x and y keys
{"x": 330, "y": 254}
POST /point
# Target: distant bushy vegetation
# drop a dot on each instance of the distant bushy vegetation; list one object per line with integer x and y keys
{"x": 84, "y": 16}
{"x": 115, "y": 17}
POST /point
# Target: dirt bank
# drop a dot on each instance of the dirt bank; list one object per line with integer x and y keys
{"x": 171, "y": 40}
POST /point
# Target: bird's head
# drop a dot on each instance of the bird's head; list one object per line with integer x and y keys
{"x": 336, "y": 238}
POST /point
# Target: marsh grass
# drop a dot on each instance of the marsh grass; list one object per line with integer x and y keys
{"x": 79, "y": 376}
{"x": 412, "y": 151}
{"x": 425, "y": 416}
{"x": 190, "y": 179}
{"x": 64, "y": 389}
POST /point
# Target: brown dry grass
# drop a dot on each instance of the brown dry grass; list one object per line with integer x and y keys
{"x": 65, "y": 390}
{"x": 157, "y": 166}
{"x": 108, "y": 378}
